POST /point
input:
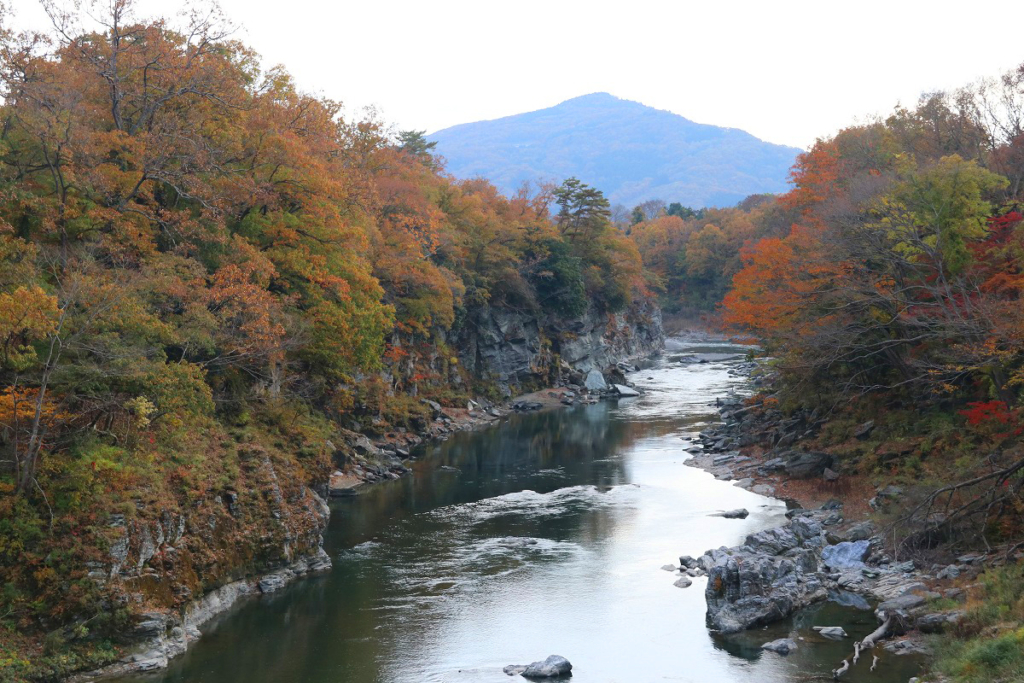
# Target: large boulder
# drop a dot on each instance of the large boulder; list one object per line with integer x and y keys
{"x": 624, "y": 391}
{"x": 595, "y": 381}
{"x": 807, "y": 465}
{"x": 846, "y": 555}
{"x": 766, "y": 579}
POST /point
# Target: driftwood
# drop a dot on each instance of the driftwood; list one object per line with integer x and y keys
{"x": 879, "y": 633}
{"x": 869, "y": 642}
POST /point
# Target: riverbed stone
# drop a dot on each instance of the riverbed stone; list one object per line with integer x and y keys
{"x": 782, "y": 646}
{"x": 739, "y": 513}
{"x": 832, "y": 632}
{"x": 683, "y": 582}
{"x": 552, "y": 667}
{"x": 624, "y": 391}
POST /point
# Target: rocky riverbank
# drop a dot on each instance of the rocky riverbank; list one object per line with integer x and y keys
{"x": 829, "y": 550}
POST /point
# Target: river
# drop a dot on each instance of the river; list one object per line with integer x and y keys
{"x": 544, "y": 535}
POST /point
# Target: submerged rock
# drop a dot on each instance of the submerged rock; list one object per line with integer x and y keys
{"x": 833, "y": 632}
{"x": 740, "y": 513}
{"x": 782, "y": 646}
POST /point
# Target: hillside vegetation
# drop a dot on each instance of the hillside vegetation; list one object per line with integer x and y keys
{"x": 886, "y": 288}
{"x": 204, "y": 274}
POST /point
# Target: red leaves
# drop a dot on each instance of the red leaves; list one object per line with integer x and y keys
{"x": 990, "y": 411}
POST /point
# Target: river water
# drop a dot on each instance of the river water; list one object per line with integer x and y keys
{"x": 545, "y": 535}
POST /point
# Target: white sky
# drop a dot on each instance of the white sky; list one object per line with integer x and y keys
{"x": 788, "y": 72}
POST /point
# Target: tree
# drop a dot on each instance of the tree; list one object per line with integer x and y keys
{"x": 415, "y": 143}
{"x": 583, "y": 212}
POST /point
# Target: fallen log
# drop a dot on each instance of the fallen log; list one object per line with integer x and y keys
{"x": 879, "y": 633}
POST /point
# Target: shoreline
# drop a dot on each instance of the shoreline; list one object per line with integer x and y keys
{"x": 831, "y": 537}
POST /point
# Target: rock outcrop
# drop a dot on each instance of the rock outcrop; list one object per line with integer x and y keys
{"x": 771, "y": 575}
{"x": 515, "y": 348}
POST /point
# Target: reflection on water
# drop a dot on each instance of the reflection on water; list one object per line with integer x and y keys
{"x": 545, "y": 535}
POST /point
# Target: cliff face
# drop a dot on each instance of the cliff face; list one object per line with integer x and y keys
{"x": 515, "y": 348}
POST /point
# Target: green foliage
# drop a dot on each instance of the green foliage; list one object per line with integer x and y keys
{"x": 559, "y": 281}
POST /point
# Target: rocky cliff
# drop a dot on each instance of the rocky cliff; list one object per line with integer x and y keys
{"x": 517, "y": 349}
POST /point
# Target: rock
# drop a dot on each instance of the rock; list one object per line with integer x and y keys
{"x": 683, "y": 582}
{"x": 832, "y": 632}
{"x": 740, "y": 513}
{"x": 669, "y": 567}
{"x": 514, "y": 669}
{"x": 950, "y": 572}
{"x": 864, "y": 431}
{"x": 766, "y": 579}
{"x": 552, "y": 667}
{"x": 342, "y": 484}
{"x": 595, "y": 381}
{"x": 829, "y": 475}
{"x": 901, "y": 604}
{"x": 745, "y": 483}
{"x": 846, "y": 555}
{"x": 435, "y": 408}
{"x": 782, "y": 646}
{"x": 859, "y": 532}
{"x": 904, "y": 567}
{"x": 624, "y": 391}
{"x": 273, "y": 582}
{"x": 907, "y": 646}
{"x": 763, "y": 490}
{"x": 807, "y": 465}
{"x": 848, "y": 599}
{"x": 687, "y": 561}
{"x": 938, "y": 622}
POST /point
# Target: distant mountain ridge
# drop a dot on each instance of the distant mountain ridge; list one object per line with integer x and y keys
{"x": 628, "y": 150}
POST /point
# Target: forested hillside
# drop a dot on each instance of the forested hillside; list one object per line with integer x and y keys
{"x": 205, "y": 274}
{"x": 629, "y": 151}
{"x": 886, "y": 288}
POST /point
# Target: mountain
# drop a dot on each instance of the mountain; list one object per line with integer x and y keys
{"x": 628, "y": 150}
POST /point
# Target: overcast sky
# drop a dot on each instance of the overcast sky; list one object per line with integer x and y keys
{"x": 788, "y": 72}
